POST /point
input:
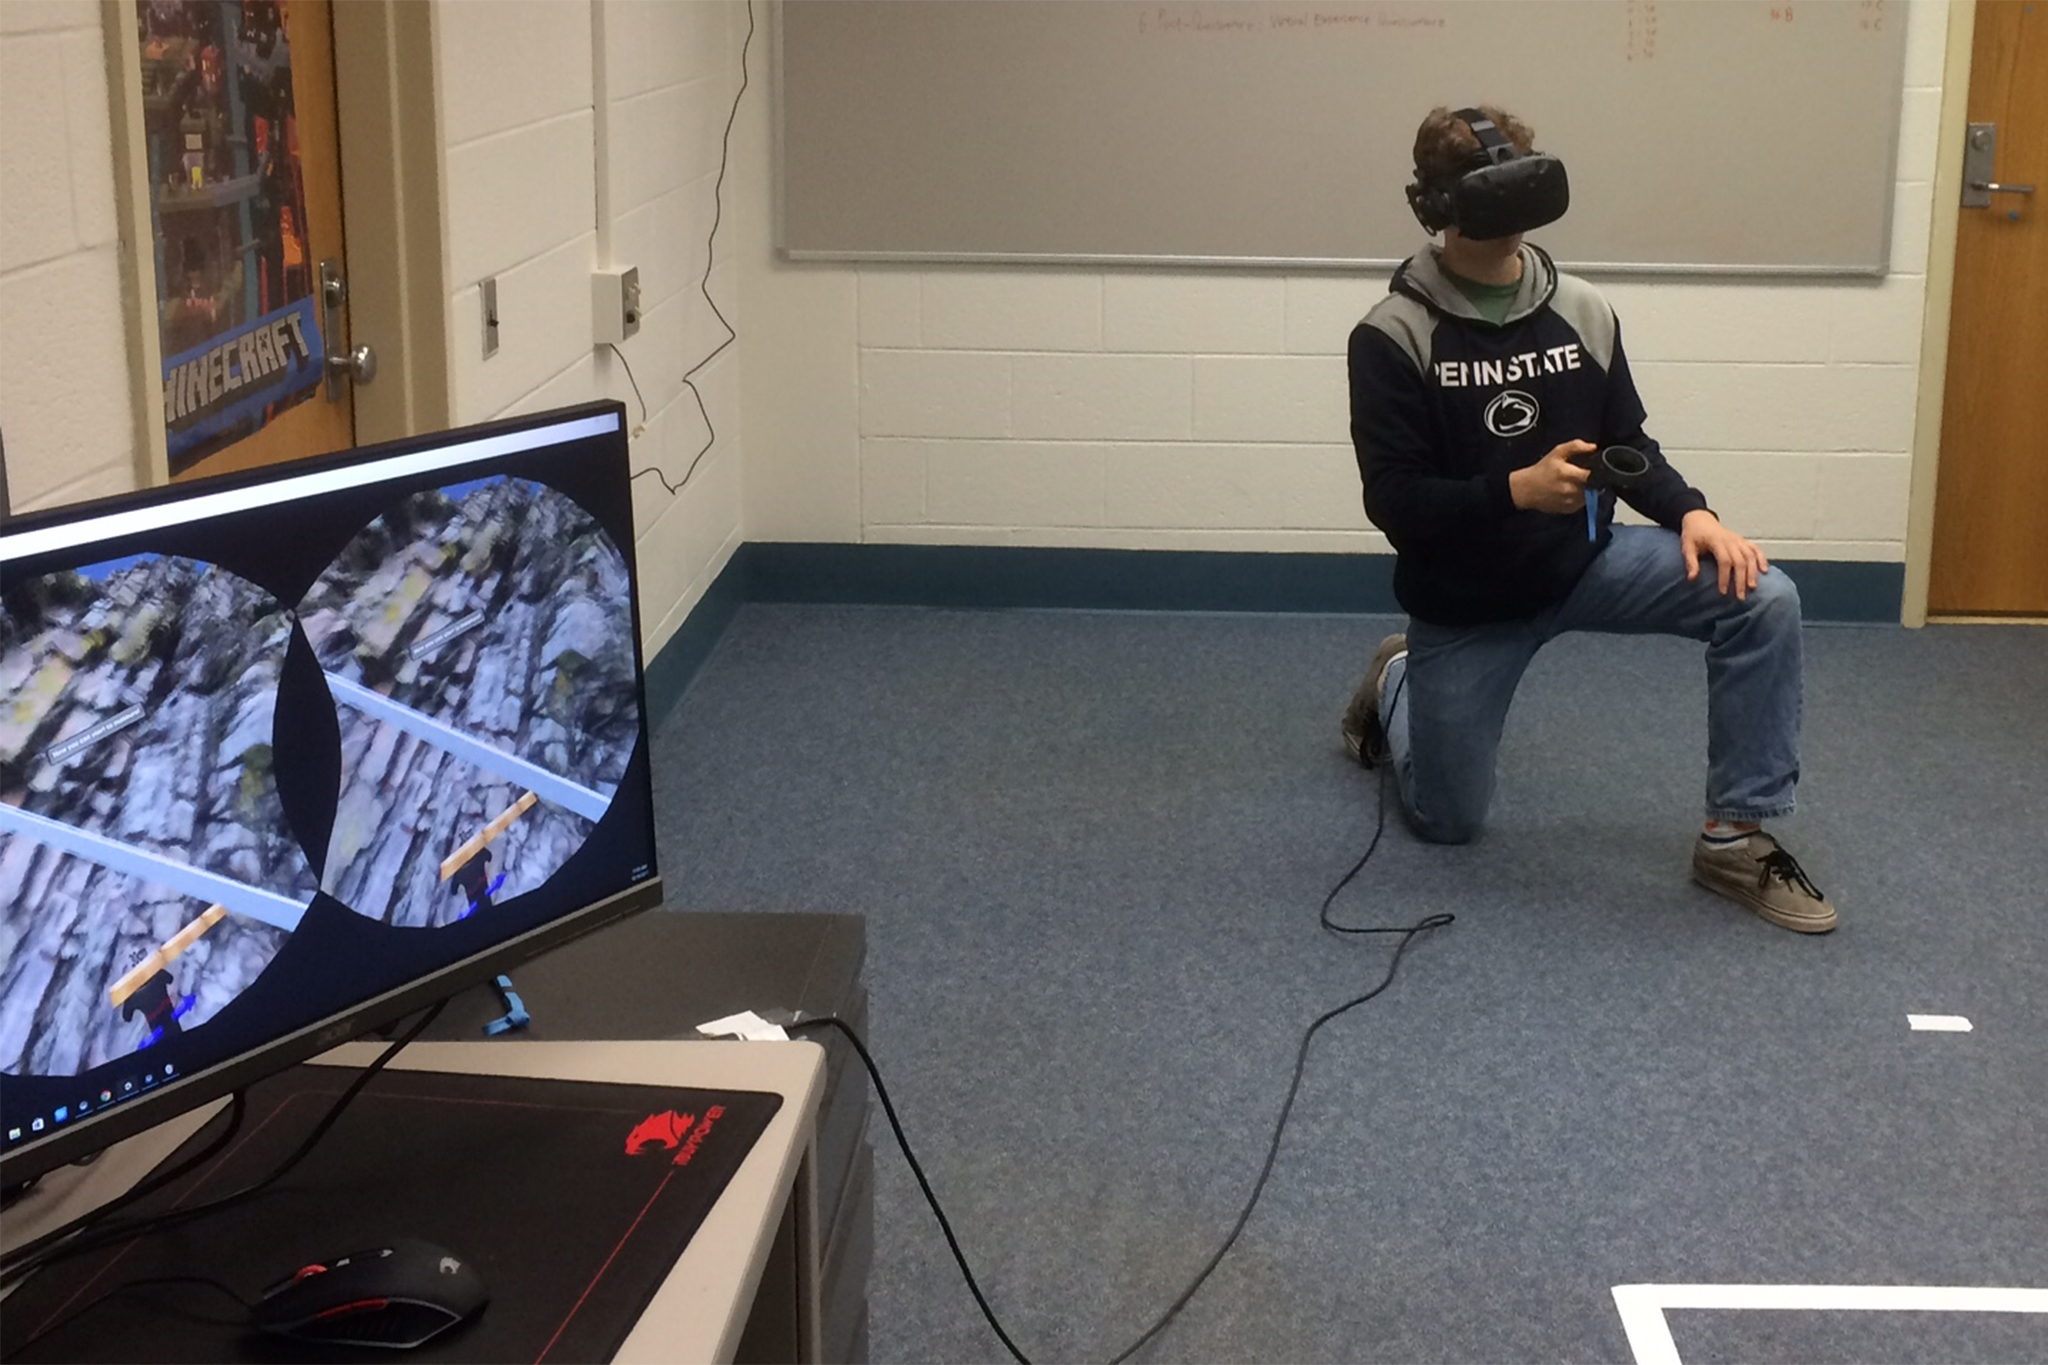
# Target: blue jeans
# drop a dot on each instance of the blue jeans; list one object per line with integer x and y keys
{"x": 1444, "y": 704}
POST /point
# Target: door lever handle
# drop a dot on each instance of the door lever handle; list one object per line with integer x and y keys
{"x": 1980, "y": 165}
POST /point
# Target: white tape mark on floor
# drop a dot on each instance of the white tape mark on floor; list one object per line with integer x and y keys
{"x": 1642, "y": 1306}
{"x": 1939, "y": 1023}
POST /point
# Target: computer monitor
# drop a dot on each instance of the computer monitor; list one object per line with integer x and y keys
{"x": 287, "y": 755}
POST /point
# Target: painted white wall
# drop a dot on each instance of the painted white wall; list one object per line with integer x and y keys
{"x": 65, "y": 410}
{"x": 578, "y": 137}
{"x": 1152, "y": 408}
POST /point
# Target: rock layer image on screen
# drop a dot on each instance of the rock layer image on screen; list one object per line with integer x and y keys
{"x": 477, "y": 643}
{"x": 147, "y": 872}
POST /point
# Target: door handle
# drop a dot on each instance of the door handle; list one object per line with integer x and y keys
{"x": 358, "y": 365}
{"x": 1980, "y": 151}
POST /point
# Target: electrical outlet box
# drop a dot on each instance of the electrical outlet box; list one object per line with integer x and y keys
{"x": 615, "y": 303}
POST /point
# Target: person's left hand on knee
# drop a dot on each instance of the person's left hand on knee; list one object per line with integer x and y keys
{"x": 1738, "y": 562}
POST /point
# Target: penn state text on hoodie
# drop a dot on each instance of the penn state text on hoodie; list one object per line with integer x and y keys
{"x": 1444, "y": 405}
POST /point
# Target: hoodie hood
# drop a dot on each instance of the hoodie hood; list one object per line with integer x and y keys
{"x": 1421, "y": 277}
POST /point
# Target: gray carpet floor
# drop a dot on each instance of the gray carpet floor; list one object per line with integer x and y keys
{"x": 1090, "y": 848}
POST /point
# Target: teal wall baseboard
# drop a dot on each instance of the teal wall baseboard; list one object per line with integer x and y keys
{"x": 669, "y": 672}
{"x": 1017, "y": 576}
{"x": 992, "y": 576}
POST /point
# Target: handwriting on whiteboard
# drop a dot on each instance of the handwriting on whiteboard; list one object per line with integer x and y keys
{"x": 1642, "y": 30}
{"x": 1182, "y": 20}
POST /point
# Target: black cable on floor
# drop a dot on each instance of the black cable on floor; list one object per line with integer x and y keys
{"x": 1280, "y": 1127}
{"x": 1407, "y": 937}
{"x": 1379, "y": 828}
{"x": 1258, "y": 1187}
{"x": 945, "y": 1224}
{"x": 704, "y": 285}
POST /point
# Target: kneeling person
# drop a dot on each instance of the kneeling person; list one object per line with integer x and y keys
{"x": 1481, "y": 388}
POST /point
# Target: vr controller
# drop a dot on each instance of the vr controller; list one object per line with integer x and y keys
{"x": 1618, "y": 467}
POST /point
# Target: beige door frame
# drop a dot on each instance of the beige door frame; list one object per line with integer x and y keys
{"x": 394, "y": 219}
{"x": 1941, "y": 280}
{"x": 394, "y": 211}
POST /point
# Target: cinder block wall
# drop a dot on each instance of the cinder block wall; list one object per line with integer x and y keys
{"x": 65, "y": 410}
{"x": 1207, "y": 410}
{"x": 530, "y": 200}
{"x": 1132, "y": 408}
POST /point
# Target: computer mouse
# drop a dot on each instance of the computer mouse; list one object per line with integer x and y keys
{"x": 395, "y": 1296}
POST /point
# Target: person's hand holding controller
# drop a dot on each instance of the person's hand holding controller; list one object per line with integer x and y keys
{"x": 1553, "y": 483}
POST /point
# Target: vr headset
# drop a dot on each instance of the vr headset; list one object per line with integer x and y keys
{"x": 1497, "y": 192}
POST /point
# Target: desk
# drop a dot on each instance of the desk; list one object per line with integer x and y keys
{"x": 699, "y": 1313}
{"x": 703, "y": 1306}
{"x": 659, "y": 975}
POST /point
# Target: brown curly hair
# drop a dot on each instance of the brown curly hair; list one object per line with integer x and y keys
{"x": 1444, "y": 144}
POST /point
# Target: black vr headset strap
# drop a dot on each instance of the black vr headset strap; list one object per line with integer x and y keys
{"x": 1494, "y": 146}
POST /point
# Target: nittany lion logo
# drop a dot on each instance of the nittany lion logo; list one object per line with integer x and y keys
{"x": 1512, "y": 413}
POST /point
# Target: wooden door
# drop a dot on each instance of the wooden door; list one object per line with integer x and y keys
{"x": 1991, "y": 494}
{"x": 245, "y": 190}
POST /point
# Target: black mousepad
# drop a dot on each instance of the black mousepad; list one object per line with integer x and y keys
{"x": 572, "y": 1198}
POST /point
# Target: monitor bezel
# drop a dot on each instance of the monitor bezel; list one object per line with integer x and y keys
{"x": 150, "y": 1108}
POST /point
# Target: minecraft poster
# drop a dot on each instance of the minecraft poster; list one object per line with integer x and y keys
{"x": 235, "y": 280}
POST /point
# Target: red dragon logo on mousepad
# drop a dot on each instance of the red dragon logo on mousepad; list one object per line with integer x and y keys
{"x": 666, "y": 1128}
{"x": 682, "y": 1133}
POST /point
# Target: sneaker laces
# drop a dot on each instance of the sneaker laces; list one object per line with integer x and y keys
{"x": 1782, "y": 865}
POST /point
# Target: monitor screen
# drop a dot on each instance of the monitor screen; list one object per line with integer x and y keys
{"x": 286, "y": 755}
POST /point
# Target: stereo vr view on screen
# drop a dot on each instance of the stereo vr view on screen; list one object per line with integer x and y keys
{"x": 194, "y": 773}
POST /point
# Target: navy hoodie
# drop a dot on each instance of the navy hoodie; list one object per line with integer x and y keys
{"x": 1444, "y": 404}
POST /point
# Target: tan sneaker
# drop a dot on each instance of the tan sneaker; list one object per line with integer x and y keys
{"x": 1761, "y": 874}
{"x": 1363, "y": 738}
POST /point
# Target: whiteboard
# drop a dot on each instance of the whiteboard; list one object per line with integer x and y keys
{"x": 1751, "y": 136}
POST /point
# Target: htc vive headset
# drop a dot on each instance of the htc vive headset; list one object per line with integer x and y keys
{"x": 1497, "y": 192}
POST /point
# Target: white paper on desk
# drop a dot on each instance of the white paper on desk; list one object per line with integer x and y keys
{"x": 746, "y": 1024}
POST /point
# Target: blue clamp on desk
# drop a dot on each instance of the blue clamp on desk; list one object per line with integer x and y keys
{"x": 516, "y": 1016}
